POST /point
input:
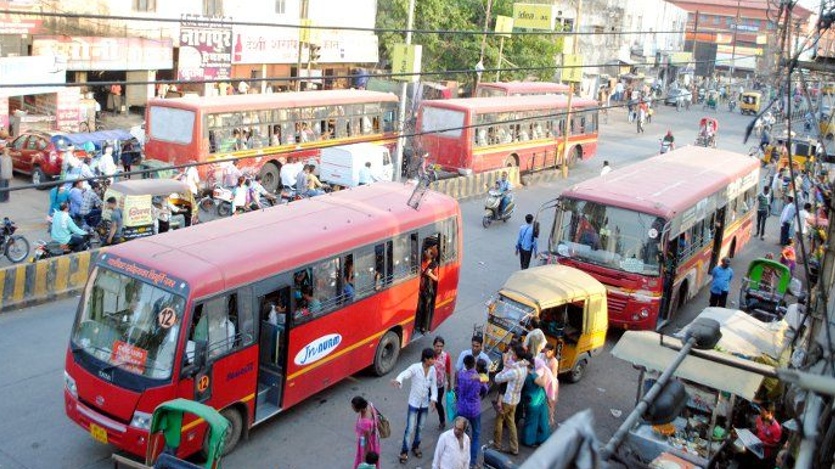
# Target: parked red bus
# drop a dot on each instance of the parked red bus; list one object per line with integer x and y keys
{"x": 255, "y": 313}
{"x": 195, "y": 129}
{"x": 520, "y": 88}
{"x": 480, "y": 134}
{"x": 652, "y": 231}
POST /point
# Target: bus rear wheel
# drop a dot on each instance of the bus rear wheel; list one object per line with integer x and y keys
{"x": 388, "y": 350}
{"x": 270, "y": 177}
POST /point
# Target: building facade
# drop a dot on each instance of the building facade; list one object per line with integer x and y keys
{"x": 742, "y": 33}
{"x": 190, "y": 40}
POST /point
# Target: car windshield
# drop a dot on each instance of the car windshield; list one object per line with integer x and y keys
{"x": 510, "y": 310}
{"x": 129, "y": 324}
{"x": 608, "y": 236}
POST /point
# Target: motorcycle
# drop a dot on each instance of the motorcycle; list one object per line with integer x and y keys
{"x": 49, "y": 249}
{"x": 289, "y": 194}
{"x": 665, "y": 146}
{"x": 220, "y": 199}
{"x": 15, "y": 247}
{"x": 492, "y": 204}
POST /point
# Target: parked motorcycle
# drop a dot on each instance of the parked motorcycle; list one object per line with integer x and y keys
{"x": 493, "y": 459}
{"x": 220, "y": 199}
{"x": 492, "y": 204}
{"x": 15, "y": 247}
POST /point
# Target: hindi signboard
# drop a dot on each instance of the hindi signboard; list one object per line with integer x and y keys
{"x": 205, "y": 48}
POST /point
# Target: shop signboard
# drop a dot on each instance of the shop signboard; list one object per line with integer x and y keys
{"x": 107, "y": 53}
{"x": 406, "y": 59}
{"x": 16, "y": 24}
{"x": 267, "y": 45}
{"x": 40, "y": 69}
{"x": 534, "y": 16}
{"x": 574, "y": 68}
{"x": 205, "y": 48}
{"x": 504, "y": 25}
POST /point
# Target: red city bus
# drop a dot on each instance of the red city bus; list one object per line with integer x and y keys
{"x": 480, "y": 134}
{"x": 652, "y": 231}
{"x": 520, "y": 88}
{"x": 255, "y": 313}
{"x": 195, "y": 129}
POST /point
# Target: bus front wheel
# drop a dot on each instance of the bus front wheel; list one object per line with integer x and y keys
{"x": 233, "y": 436}
{"x": 388, "y": 350}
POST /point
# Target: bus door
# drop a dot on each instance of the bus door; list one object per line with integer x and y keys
{"x": 718, "y": 225}
{"x": 669, "y": 266}
{"x": 430, "y": 260}
{"x": 273, "y": 302}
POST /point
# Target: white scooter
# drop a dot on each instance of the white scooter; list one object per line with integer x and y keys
{"x": 492, "y": 204}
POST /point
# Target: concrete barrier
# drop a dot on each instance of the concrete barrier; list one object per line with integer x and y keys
{"x": 467, "y": 187}
{"x": 29, "y": 284}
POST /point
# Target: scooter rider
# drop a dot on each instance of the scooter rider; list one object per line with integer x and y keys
{"x": 669, "y": 142}
{"x": 65, "y": 231}
{"x": 505, "y": 188}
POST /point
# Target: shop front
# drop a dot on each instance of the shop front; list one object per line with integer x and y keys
{"x": 102, "y": 59}
{"x": 53, "y": 107}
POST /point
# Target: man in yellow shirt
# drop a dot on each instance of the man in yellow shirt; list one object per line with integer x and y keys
{"x": 314, "y": 185}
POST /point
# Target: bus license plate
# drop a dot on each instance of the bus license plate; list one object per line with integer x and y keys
{"x": 99, "y": 433}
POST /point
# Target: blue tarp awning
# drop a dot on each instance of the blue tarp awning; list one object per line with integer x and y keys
{"x": 80, "y": 139}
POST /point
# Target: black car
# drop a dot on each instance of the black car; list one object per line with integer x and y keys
{"x": 678, "y": 96}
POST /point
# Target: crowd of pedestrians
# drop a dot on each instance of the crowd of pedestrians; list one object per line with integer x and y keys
{"x": 526, "y": 387}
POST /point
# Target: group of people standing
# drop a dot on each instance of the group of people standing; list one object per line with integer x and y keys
{"x": 527, "y": 385}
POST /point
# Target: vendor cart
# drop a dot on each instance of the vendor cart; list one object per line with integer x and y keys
{"x": 716, "y": 390}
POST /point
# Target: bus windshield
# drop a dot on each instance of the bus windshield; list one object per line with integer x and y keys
{"x": 608, "y": 236}
{"x": 129, "y": 324}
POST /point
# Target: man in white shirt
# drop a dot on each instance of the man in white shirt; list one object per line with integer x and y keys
{"x": 476, "y": 351}
{"x": 453, "y": 449}
{"x": 423, "y": 395}
{"x": 606, "y": 169}
{"x": 289, "y": 173}
{"x": 803, "y": 228}
{"x": 243, "y": 87}
{"x": 192, "y": 178}
{"x": 366, "y": 175}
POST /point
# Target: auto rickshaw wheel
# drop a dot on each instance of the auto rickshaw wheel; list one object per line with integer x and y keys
{"x": 578, "y": 371}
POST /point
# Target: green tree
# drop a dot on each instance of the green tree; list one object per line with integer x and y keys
{"x": 461, "y": 51}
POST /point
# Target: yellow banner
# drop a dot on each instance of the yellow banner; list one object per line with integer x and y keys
{"x": 406, "y": 59}
{"x": 137, "y": 211}
{"x": 574, "y": 74}
{"x": 534, "y": 16}
{"x": 504, "y": 25}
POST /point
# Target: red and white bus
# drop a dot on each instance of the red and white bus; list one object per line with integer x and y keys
{"x": 480, "y": 134}
{"x": 520, "y": 88}
{"x": 265, "y": 126}
{"x": 255, "y": 313}
{"x": 652, "y": 231}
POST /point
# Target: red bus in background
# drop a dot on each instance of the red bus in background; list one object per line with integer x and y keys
{"x": 653, "y": 231}
{"x": 255, "y": 313}
{"x": 199, "y": 129}
{"x": 481, "y": 134}
{"x": 520, "y": 88}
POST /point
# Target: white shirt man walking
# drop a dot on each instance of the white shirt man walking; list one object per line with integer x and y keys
{"x": 453, "y": 449}
{"x": 423, "y": 395}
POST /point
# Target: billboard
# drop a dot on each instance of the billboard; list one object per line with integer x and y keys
{"x": 205, "y": 48}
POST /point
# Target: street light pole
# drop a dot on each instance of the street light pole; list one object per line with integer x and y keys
{"x": 733, "y": 50}
{"x": 483, "y": 45}
{"x": 401, "y": 110}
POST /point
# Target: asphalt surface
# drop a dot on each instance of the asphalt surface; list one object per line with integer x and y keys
{"x": 35, "y": 433}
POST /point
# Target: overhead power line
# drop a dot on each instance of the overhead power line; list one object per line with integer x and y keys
{"x": 202, "y": 20}
{"x": 358, "y": 75}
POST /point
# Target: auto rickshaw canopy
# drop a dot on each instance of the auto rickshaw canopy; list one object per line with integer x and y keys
{"x": 549, "y": 286}
{"x": 168, "y": 420}
{"x": 751, "y": 97}
{"x": 758, "y": 266}
{"x": 164, "y": 187}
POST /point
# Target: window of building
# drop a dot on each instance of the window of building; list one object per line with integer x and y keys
{"x": 703, "y": 18}
{"x": 144, "y": 5}
{"x": 280, "y": 7}
{"x": 717, "y": 20}
{"x": 213, "y": 7}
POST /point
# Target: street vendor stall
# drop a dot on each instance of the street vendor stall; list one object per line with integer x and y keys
{"x": 715, "y": 389}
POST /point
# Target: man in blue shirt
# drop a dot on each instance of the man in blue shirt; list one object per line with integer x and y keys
{"x": 721, "y": 284}
{"x": 64, "y": 230}
{"x": 526, "y": 242}
{"x": 787, "y": 217}
{"x": 505, "y": 187}
{"x": 76, "y": 200}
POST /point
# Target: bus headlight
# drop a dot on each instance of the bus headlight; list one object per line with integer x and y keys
{"x": 69, "y": 383}
{"x": 141, "y": 420}
{"x": 644, "y": 313}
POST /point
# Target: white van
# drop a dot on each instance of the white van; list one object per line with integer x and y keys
{"x": 341, "y": 165}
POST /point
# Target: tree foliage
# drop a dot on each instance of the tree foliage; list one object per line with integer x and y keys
{"x": 460, "y": 51}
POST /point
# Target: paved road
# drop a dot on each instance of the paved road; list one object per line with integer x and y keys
{"x": 35, "y": 434}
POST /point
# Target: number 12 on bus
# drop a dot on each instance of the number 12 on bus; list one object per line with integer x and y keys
{"x": 653, "y": 231}
{"x": 254, "y": 314}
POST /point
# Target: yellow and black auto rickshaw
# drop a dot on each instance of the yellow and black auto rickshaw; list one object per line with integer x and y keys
{"x": 750, "y": 102}
{"x": 803, "y": 151}
{"x": 136, "y": 198}
{"x": 569, "y": 304}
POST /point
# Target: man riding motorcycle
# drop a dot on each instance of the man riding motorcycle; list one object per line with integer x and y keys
{"x": 505, "y": 188}
{"x": 668, "y": 143}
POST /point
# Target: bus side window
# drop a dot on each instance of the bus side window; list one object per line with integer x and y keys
{"x": 402, "y": 257}
{"x": 348, "y": 279}
{"x": 449, "y": 243}
{"x": 366, "y": 273}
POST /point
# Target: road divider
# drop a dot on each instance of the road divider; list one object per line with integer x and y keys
{"x": 35, "y": 283}
{"x": 474, "y": 185}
